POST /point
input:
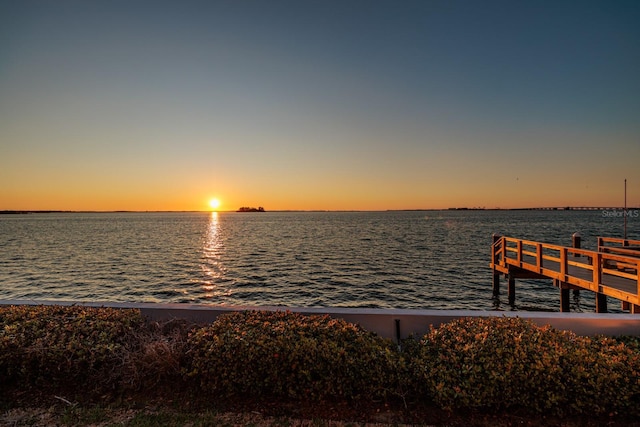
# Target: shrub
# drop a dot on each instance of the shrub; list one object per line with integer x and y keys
{"x": 498, "y": 363}
{"x": 284, "y": 354}
{"x": 633, "y": 342}
{"x": 155, "y": 361}
{"x": 53, "y": 346}
{"x": 604, "y": 376}
{"x": 488, "y": 363}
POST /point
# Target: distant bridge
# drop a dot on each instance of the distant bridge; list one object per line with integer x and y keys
{"x": 577, "y": 208}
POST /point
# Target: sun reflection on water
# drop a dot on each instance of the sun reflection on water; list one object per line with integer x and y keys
{"x": 212, "y": 266}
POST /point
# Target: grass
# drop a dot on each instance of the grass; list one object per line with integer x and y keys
{"x": 101, "y": 416}
{"x": 141, "y": 413}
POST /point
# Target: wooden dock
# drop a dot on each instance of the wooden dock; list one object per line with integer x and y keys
{"x": 611, "y": 271}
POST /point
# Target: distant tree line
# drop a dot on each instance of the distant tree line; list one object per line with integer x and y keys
{"x": 249, "y": 209}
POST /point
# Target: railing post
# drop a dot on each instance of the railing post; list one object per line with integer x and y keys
{"x": 563, "y": 263}
{"x": 601, "y": 299}
{"x": 495, "y": 238}
{"x": 638, "y": 278}
{"x": 495, "y": 257}
{"x": 597, "y": 269}
{"x": 519, "y": 250}
{"x": 576, "y": 242}
{"x": 539, "y": 256}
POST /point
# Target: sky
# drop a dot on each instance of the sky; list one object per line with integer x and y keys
{"x": 318, "y": 105}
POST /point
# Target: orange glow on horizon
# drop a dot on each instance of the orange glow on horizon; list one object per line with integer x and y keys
{"x": 197, "y": 198}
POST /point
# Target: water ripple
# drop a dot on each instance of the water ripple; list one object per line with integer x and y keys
{"x": 436, "y": 260}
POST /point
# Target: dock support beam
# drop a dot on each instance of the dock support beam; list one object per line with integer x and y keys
{"x": 565, "y": 303}
{"x": 496, "y": 284}
{"x": 633, "y": 308}
{"x": 601, "y": 303}
{"x": 512, "y": 289}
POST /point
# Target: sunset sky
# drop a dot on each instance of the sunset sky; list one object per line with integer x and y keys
{"x": 336, "y": 105}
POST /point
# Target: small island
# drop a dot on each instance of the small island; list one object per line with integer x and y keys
{"x": 248, "y": 209}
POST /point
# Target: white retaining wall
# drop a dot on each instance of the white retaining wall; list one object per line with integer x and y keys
{"x": 389, "y": 323}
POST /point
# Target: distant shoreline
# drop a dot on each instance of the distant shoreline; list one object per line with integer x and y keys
{"x": 566, "y": 208}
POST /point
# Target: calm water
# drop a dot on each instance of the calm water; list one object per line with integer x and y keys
{"x": 436, "y": 260}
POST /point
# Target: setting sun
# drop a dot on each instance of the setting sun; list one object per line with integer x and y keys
{"x": 214, "y": 203}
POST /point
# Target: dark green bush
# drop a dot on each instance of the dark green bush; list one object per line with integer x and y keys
{"x": 604, "y": 375}
{"x": 284, "y": 354}
{"x": 493, "y": 363}
{"x": 633, "y": 342}
{"x": 497, "y": 363}
{"x": 53, "y": 346}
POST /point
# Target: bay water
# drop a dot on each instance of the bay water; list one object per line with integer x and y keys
{"x": 395, "y": 259}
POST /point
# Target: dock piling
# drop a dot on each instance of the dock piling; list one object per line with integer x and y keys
{"x": 601, "y": 303}
{"x": 512, "y": 289}
{"x": 565, "y": 304}
{"x": 576, "y": 241}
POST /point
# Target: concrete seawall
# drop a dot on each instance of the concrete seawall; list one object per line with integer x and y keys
{"x": 389, "y": 323}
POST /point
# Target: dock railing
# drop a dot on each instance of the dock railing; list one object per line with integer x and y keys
{"x": 610, "y": 271}
{"x": 619, "y": 246}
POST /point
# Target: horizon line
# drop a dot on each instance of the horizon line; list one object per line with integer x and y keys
{"x": 550, "y": 208}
